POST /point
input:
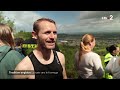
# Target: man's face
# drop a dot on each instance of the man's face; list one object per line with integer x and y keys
{"x": 47, "y": 35}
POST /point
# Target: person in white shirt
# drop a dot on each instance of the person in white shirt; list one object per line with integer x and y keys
{"x": 87, "y": 62}
{"x": 113, "y": 51}
{"x": 113, "y": 67}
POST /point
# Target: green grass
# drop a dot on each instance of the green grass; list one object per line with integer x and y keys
{"x": 69, "y": 52}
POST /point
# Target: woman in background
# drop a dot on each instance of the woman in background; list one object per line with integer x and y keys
{"x": 87, "y": 62}
{"x": 113, "y": 51}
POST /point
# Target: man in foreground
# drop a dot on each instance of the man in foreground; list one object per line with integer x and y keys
{"x": 43, "y": 62}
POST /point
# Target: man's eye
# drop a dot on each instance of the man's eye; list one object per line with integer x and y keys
{"x": 55, "y": 32}
{"x": 48, "y": 32}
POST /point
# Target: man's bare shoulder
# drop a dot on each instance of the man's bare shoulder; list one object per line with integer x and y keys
{"x": 25, "y": 64}
{"x": 61, "y": 57}
{"x": 60, "y": 54}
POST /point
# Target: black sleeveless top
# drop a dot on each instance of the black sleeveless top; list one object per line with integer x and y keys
{"x": 49, "y": 71}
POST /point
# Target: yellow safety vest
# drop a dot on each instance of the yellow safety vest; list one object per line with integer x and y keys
{"x": 108, "y": 57}
{"x": 29, "y": 46}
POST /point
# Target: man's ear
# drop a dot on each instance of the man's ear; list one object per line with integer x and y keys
{"x": 34, "y": 35}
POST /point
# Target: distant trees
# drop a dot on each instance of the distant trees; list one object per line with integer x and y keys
{"x": 6, "y": 20}
{"x": 23, "y": 34}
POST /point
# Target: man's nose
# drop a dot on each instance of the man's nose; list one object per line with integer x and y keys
{"x": 52, "y": 35}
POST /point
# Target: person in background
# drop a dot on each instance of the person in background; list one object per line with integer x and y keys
{"x": 29, "y": 45}
{"x": 113, "y": 51}
{"x": 43, "y": 62}
{"x": 113, "y": 67}
{"x": 87, "y": 62}
{"x": 9, "y": 58}
{"x": 18, "y": 45}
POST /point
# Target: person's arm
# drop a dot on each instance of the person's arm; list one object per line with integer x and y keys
{"x": 98, "y": 68}
{"x": 76, "y": 60}
{"x": 21, "y": 69}
{"x": 110, "y": 65}
{"x": 62, "y": 61}
{"x": 64, "y": 71}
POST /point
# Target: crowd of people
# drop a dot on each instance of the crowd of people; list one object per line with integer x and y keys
{"x": 41, "y": 58}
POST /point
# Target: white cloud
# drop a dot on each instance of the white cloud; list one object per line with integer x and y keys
{"x": 85, "y": 21}
{"x": 23, "y": 19}
{"x": 92, "y": 21}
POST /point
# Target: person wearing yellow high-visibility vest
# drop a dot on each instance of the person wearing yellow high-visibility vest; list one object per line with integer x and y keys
{"x": 113, "y": 50}
{"x": 28, "y": 46}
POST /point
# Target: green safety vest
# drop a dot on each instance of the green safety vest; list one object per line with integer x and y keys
{"x": 107, "y": 59}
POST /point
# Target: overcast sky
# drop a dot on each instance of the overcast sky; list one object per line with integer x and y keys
{"x": 68, "y": 21}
